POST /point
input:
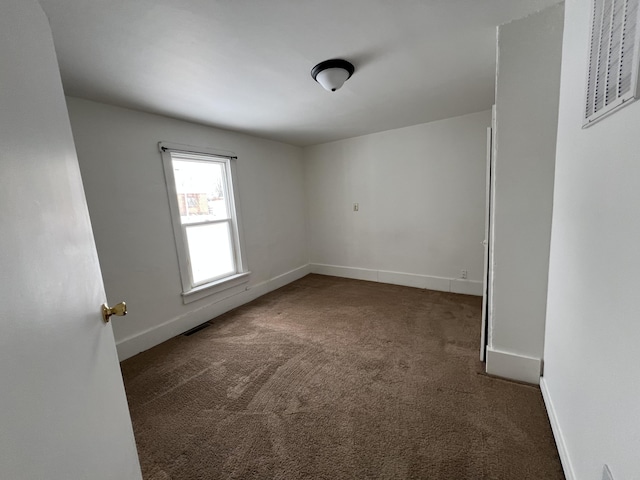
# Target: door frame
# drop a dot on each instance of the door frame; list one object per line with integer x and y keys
{"x": 487, "y": 243}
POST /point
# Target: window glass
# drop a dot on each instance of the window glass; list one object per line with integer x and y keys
{"x": 210, "y": 251}
{"x": 201, "y": 190}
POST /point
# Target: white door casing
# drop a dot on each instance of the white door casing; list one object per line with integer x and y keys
{"x": 485, "y": 248}
{"x": 63, "y": 410}
{"x": 487, "y": 290}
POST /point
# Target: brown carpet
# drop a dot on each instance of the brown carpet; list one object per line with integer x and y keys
{"x": 330, "y": 378}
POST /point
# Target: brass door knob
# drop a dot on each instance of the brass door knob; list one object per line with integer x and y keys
{"x": 120, "y": 310}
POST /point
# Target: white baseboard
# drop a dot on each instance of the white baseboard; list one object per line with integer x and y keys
{"x": 413, "y": 280}
{"x": 454, "y": 285}
{"x": 557, "y": 432}
{"x": 134, "y": 344}
{"x": 513, "y": 366}
{"x": 467, "y": 287}
{"x": 345, "y": 272}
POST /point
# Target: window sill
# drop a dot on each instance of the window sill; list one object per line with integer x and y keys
{"x": 207, "y": 289}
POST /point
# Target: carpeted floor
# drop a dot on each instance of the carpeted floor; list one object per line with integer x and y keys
{"x": 330, "y": 378}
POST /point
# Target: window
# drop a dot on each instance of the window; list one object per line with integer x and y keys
{"x": 200, "y": 184}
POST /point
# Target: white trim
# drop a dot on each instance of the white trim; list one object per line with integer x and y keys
{"x": 139, "y": 342}
{"x": 454, "y": 285}
{"x": 413, "y": 280}
{"x": 279, "y": 281}
{"x": 492, "y": 222}
{"x": 466, "y": 287}
{"x": 228, "y": 159}
{"x": 345, "y": 272}
{"x": 196, "y": 150}
{"x": 557, "y": 432}
{"x": 485, "y": 249}
{"x": 210, "y": 288}
{"x": 513, "y": 366}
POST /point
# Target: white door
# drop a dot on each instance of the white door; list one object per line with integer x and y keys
{"x": 63, "y": 411}
{"x": 487, "y": 242}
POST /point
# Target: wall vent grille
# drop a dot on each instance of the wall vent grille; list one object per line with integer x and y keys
{"x": 202, "y": 326}
{"x": 612, "y": 79}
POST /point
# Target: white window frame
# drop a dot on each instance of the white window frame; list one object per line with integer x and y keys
{"x": 194, "y": 291}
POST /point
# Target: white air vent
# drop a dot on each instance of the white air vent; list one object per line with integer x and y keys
{"x": 612, "y": 80}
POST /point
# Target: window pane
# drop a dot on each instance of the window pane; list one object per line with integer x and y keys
{"x": 210, "y": 251}
{"x": 201, "y": 190}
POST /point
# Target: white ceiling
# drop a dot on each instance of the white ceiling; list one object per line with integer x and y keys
{"x": 244, "y": 64}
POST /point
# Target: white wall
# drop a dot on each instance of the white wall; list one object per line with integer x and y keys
{"x": 127, "y": 197}
{"x": 421, "y": 195}
{"x": 591, "y": 376}
{"x": 527, "y": 90}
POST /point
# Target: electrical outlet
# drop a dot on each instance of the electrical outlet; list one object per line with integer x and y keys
{"x": 463, "y": 274}
{"x": 356, "y": 207}
{"x": 606, "y": 473}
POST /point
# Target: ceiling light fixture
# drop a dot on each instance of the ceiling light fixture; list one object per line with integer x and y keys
{"x": 332, "y": 74}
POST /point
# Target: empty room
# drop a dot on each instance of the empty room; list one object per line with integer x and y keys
{"x": 319, "y": 239}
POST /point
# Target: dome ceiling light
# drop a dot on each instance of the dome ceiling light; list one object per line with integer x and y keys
{"x": 332, "y": 74}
